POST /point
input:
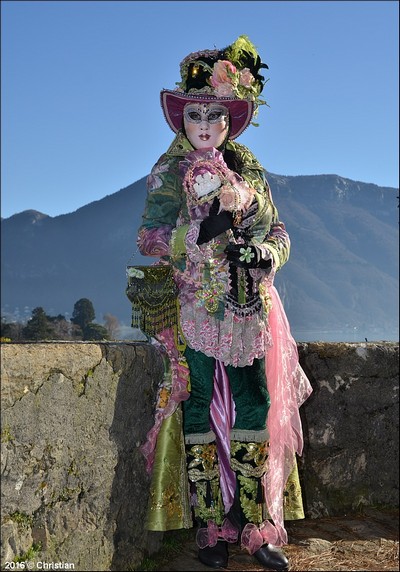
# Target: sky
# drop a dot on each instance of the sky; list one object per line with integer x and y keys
{"x": 80, "y": 86}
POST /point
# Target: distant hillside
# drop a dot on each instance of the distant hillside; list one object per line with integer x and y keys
{"x": 341, "y": 282}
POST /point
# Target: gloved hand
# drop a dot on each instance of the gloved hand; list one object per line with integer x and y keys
{"x": 214, "y": 224}
{"x": 246, "y": 256}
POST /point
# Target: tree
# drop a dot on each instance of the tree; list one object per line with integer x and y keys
{"x": 64, "y": 329}
{"x": 39, "y": 326}
{"x": 6, "y": 328}
{"x": 83, "y": 313}
{"x": 10, "y": 330}
{"x": 95, "y": 332}
{"x": 111, "y": 324}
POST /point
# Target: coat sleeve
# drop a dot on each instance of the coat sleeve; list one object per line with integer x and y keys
{"x": 162, "y": 208}
{"x": 269, "y": 233}
{"x": 277, "y": 241}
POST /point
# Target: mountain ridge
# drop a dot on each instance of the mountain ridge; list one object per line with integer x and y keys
{"x": 344, "y": 255}
{"x": 280, "y": 178}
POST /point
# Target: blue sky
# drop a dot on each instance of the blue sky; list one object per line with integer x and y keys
{"x": 81, "y": 117}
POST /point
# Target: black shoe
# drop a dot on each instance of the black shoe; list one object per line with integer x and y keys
{"x": 215, "y": 556}
{"x": 271, "y": 557}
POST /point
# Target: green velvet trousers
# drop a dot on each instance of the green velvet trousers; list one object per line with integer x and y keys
{"x": 248, "y": 389}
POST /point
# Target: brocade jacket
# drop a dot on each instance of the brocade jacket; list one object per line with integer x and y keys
{"x": 223, "y": 308}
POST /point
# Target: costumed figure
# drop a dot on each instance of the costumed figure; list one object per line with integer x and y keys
{"x": 222, "y": 451}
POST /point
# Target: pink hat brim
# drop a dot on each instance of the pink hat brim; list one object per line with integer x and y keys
{"x": 173, "y": 102}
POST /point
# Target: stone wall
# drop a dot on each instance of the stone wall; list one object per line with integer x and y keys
{"x": 73, "y": 479}
{"x": 74, "y": 414}
{"x": 351, "y": 427}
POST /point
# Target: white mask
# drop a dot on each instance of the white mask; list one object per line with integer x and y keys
{"x": 206, "y": 124}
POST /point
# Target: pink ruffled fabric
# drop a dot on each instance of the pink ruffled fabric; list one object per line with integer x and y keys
{"x": 209, "y": 536}
{"x": 288, "y": 387}
{"x": 234, "y": 340}
{"x": 253, "y": 537}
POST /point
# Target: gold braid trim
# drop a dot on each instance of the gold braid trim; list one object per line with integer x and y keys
{"x": 196, "y": 475}
{"x": 255, "y": 453}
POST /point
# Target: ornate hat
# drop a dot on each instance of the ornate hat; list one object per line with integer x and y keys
{"x": 229, "y": 76}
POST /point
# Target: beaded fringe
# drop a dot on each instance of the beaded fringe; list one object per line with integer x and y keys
{"x": 154, "y": 319}
{"x": 154, "y": 298}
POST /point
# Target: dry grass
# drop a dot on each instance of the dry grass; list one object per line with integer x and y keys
{"x": 364, "y": 543}
{"x": 379, "y": 555}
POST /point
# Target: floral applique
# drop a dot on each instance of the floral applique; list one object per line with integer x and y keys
{"x": 153, "y": 180}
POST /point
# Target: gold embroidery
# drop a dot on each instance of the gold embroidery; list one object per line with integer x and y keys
{"x": 254, "y": 453}
{"x": 248, "y": 495}
{"x": 204, "y": 455}
{"x": 216, "y": 510}
{"x": 203, "y": 470}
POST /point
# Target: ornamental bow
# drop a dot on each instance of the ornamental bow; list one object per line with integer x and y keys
{"x": 209, "y": 536}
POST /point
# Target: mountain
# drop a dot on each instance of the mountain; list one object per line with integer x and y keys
{"x": 341, "y": 282}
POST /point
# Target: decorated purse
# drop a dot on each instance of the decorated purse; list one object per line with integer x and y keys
{"x": 154, "y": 297}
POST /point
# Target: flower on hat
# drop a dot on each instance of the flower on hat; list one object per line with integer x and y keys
{"x": 228, "y": 81}
{"x": 222, "y": 71}
{"x": 223, "y": 77}
{"x": 246, "y": 78}
{"x": 224, "y": 90}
